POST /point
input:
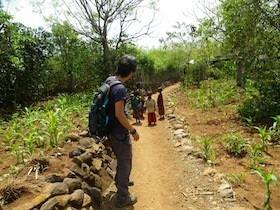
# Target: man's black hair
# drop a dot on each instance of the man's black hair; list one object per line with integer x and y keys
{"x": 126, "y": 64}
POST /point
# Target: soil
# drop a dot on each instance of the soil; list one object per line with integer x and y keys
{"x": 165, "y": 176}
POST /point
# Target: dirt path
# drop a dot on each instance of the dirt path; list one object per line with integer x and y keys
{"x": 155, "y": 169}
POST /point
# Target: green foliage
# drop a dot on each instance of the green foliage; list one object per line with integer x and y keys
{"x": 23, "y": 55}
{"x": 275, "y": 129}
{"x": 267, "y": 179}
{"x": 235, "y": 144}
{"x": 42, "y": 125}
{"x": 265, "y": 136}
{"x": 213, "y": 93}
{"x": 207, "y": 149}
{"x": 255, "y": 155}
{"x": 236, "y": 179}
{"x": 251, "y": 32}
{"x": 171, "y": 100}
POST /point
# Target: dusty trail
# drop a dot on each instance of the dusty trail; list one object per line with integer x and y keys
{"x": 155, "y": 170}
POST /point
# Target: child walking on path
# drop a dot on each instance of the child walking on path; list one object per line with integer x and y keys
{"x": 150, "y": 106}
{"x": 160, "y": 104}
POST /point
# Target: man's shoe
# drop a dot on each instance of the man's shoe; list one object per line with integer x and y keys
{"x": 130, "y": 200}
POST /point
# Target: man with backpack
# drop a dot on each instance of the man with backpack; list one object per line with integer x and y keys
{"x": 121, "y": 129}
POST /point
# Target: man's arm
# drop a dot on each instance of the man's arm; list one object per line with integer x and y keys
{"x": 119, "y": 111}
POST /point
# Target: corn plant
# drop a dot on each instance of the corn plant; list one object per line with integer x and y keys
{"x": 29, "y": 143}
{"x": 265, "y": 136}
{"x": 267, "y": 179}
{"x": 18, "y": 151}
{"x": 255, "y": 155}
{"x": 207, "y": 149}
{"x": 249, "y": 121}
{"x": 51, "y": 125}
{"x": 8, "y": 140}
{"x": 237, "y": 179}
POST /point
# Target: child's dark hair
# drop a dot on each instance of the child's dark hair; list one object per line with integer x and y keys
{"x": 126, "y": 64}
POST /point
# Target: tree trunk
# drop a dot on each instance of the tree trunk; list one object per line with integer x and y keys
{"x": 239, "y": 75}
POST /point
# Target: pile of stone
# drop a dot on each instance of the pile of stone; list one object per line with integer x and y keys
{"x": 88, "y": 182}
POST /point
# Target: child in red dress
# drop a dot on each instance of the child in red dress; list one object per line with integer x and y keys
{"x": 150, "y": 106}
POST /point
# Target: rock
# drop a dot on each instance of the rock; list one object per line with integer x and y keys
{"x": 93, "y": 192}
{"x": 107, "y": 158}
{"x": 73, "y": 137}
{"x": 40, "y": 199}
{"x": 58, "y": 188}
{"x": 171, "y": 116}
{"x": 62, "y": 200}
{"x": 223, "y": 187}
{"x": 178, "y": 144}
{"x": 86, "y": 170}
{"x": 97, "y": 163}
{"x": 84, "y": 134}
{"x": 77, "y": 198}
{"x": 78, "y": 160}
{"x": 77, "y": 170}
{"x": 75, "y": 152}
{"x": 227, "y": 193}
{"x": 110, "y": 191}
{"x": 50, "y": 204}
{"x": 110, "y": 172}
{"x": 87, "y": 200}
{"x": 72, "y": 184}
{"x": 178, "y": 126}
{"x": 179, "y": 131}
{"x": 86, "y": 142}
{"x": 187, "y": 149}
{"x": 86, "y": 158}
{"x": 53, "y": 178}
{"x": 187, "y": 141}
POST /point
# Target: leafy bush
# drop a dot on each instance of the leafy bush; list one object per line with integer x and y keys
{"x": 235, "y": 145}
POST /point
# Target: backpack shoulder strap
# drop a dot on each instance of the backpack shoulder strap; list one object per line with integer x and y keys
{"x": 115, "y": 83}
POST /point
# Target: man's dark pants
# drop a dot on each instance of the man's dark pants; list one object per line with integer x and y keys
{"x": 121, "y": 145}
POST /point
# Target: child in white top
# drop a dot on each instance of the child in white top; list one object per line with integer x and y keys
{"x": 150, "y": 106}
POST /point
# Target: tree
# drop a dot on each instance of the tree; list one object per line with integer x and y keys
{"x": 252, "y": 32}
{"x": 108, "y": 22}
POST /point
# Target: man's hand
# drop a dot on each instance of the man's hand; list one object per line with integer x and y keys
{"x": 136, "y": 136}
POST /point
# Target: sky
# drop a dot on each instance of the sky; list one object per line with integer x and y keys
{"x": 170, "y": 12}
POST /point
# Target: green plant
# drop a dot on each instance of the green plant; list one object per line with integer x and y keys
{"x": 249, "y": 121}
{"x": 18, "y": 151}
{"x": 275, "y": 129}
{"x": 51, "y": 124}
{"x": 29, "y": 143}
{"x": 14, "y": 169}
{"x": 255, "y": 155}
{"x": 171, "y": 100}
{"x": 235, "y": 145}
{"x": 207, "y": 149}
{"x": 236, "y": 179}
{"x": 265, "y": 136}
{"x": 267, "y": 179}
